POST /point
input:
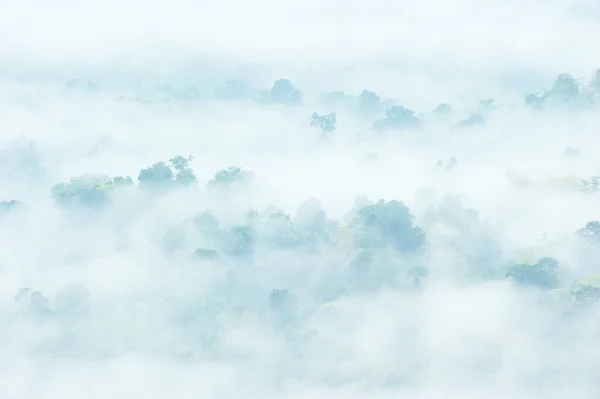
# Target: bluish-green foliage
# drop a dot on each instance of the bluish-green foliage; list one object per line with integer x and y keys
{"x": 543, "y": 274}
{"x": 592, "y": 184}
{"x": 311, "y": 222}
{"x": 205, "y": 254}
{"x": 242, "y": 240}
{"x": 591, "y": 232}
{"x": 565, "y": 92}
{"x": 326, "y": 123}
{"x": 164, "y": 175}
{"x": 369, "y": 102}
{"x": 232, "y": 174}
{"x": 283, "y": 92}
{"x": 397, "y": 117}
{"x": 388, "y": 224}
{"x": 159, "y": 174}
{"x": 88, "y": 190}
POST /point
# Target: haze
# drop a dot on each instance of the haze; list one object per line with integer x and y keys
{"x": 191, "y": 207}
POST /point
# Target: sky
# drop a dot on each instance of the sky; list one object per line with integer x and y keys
{"x": 110, "y": 89}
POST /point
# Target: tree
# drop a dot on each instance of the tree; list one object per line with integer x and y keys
{"x": 369, "y": 101}
{"x": 232, "y": 174}
{"x": 592, "y": 184}
{"x": 324, "y": 122}
{"x": 586, "y": 291}
{"x": 283, "y": 92}
{"x": 183, "y": 173}
{"x": 565, "y": 88}
{"x": 165, "y": 175}
{"x": 543, "y": 274}
{"x": 591, "y": 232}
{"x": 536, "y": 101}
{"x": 397, "y": 117}
{"x": 312, "y": 223}
{"x": 205, "y": 254}
{"x": 243, "y": 239}
{"x": 159, "y": 174}
{"x": 87, "y": 190}
{"x": 388, "y": 223}
{"x": 279, "y": 230}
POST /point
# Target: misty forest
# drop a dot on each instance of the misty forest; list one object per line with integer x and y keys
{"x": 219, "y": 229}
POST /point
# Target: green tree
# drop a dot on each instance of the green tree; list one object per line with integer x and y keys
{"x": 283, "y": 92}
{"x": 159, "y": 174}
{"x": 543, "y": 274}
{"x": 232, "y": 174}
{"x": 591, "y": 232}
{"x": 565, "y": 89}
{"x": 397, "y": 117}
{"x": 326, "y": 123}
{"x": 88, "y": 190}
{"x": 388, "y": 223}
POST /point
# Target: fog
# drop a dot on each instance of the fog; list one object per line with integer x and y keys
{"x": 190, "y": 207}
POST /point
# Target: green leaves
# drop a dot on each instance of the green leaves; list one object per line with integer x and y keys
{"x": 543, "y": 274}
{"x": 388, "y": 223}
{"x": 162, "y": 174}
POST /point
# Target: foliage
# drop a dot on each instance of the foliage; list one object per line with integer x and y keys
{"x": 233, "y": 174}
{"x": 88, "y": 190}
{"x": 591, "y": 232}
{"x": 324, "y": 122}
{"x": 164, "y": 175}
{"x": 388, "y": 223}
{"x": 397, "y": 117}
{"x": 543, "y": 274}
{"x": 205, "y": 254}
{"x": 283, "y": 92}
{"x": 592, "y": 184}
